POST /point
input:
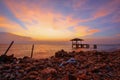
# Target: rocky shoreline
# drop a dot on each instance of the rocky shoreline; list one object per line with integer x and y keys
{"x": 89, "y": 65}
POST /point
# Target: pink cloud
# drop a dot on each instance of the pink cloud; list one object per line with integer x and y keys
{"x": 118, "y": 35}
{"x": 101, "y": 13}
{"x": 107, "y": 9}
{"x": 104, "y": 10}
{"x": 78, "y": 4}
{"x": 116, "y": 17}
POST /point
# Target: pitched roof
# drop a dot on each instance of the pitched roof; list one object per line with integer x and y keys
{"x": 76, "y": 39}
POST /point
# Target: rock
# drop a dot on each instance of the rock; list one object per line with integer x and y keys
{"x": 48, "y": 70}
{"x": 7, "y": 59}
{"x": 1, "y": 66}
{"x": 81, "y": 76}
{"x": 33, "y": 73}
{"x": 69, "y": 77}
{"x": 18, "y": 74}
{"x": 89, "y": 65}
{"x": 30, "y": 77}
{"x": 72, "y": 77}
{"x": 21, "y": 71}
{"x": 27, "y": 68}
{"x": 7, "y": 75}
{"x": 17, "y": 67}
{"x": 49, "y": 78}
{"x": 12, "y": 76}
{"x": 6, "y": 66}
{"x": 38, "y": 78}
{"x": 80, "y": 58}
{"x": 61, "y": 54}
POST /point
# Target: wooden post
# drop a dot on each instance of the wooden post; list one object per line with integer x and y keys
{"x": 87, "y": 46}
{"x": 8, "y": 48}
{"x": 32, "y": 51}
{"x": 76, "y": 44}
{"x": 72, "y": 44}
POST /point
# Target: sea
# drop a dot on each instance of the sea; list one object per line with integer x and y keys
{"x": 47, "y": 50}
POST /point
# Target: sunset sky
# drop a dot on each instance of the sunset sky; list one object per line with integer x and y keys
{"x": 61, "y": 19}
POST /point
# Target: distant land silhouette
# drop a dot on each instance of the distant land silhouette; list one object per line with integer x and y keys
{"x": 6, "y": 37}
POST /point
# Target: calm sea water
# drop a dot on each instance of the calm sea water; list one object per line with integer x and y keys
{"x": 44, "y": 51}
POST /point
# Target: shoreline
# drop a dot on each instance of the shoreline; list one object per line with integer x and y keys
{"x": 63, "y": 66}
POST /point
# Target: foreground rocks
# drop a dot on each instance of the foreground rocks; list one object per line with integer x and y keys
{"x": 90, "y": 65}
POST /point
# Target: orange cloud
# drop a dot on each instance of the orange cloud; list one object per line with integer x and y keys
{"x": 10, "y": 26}
{"x": 48, "y": 25}
{"x": 84, "y": 31}
{"x": 42, "y": 24}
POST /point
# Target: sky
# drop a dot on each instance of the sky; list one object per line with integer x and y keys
{"x": 56, "y": 20}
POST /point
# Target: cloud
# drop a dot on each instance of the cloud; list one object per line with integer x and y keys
{"x": 107, "y": 9}
{"x": 101, "y": 13}
{"x": 45, "y": 22}
{"x": 84, "y": 31}
{"x": 65, "y": 22}
{"x": 10, "y": 26}
{"x": 47, "y": 18}
{"x": 35, "y": 31}
{"x": 116, "y": 18}
{"x": 78, "y": 4}
{"x": 118, "y": 35}
{"x": 42, "y": 24}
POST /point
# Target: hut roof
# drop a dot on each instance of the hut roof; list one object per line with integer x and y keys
{"x": 76, "y": 39}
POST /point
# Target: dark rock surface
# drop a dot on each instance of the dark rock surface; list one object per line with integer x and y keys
{"x": 90, "y": 65}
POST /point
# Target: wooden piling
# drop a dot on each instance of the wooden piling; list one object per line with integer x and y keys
{"x": 32, "y": 50}
{"x": 87, "y": 46}
{"x": 8, "y": 48}
{"x": 95, "y": 46}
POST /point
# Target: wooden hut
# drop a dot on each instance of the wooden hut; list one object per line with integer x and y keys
{"x": 77, "y": 43}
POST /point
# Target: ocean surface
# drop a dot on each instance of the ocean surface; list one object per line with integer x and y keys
{"x": 45, "y": 51}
